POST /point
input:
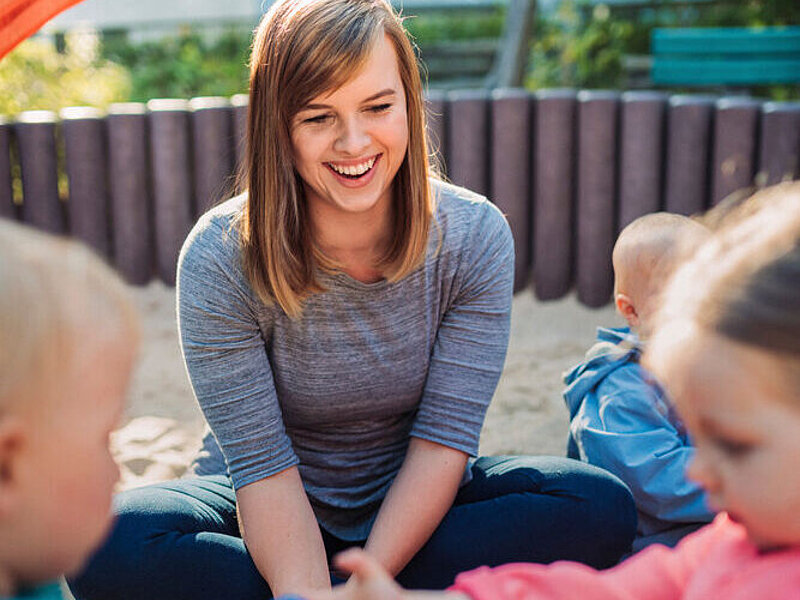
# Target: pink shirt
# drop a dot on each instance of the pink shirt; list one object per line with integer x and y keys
{"x": 717, "y": 561}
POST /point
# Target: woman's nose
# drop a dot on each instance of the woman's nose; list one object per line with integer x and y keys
{"x": 352, "y": 138}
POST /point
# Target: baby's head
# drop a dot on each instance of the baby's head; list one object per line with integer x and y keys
{"x": 68, "y": 336}
{"x": 727, "y": 348}
{"x": 645, "y": 255}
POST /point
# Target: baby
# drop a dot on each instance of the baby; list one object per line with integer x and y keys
{"x": 727, "y": 346}
{"x": 68, "y": 336}
{"x": 620, "y": 417}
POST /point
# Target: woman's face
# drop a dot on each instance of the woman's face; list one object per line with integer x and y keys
{"x": 349, "y": 143}
{"x": 745, "y": 425}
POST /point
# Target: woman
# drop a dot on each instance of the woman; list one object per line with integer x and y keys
{"x": 344, "y": 324}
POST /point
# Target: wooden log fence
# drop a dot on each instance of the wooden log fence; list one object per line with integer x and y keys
{"x": 568, "y": 168}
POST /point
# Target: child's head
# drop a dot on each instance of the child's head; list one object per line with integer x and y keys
{"x": 727, "y": 348}
{"x": 645, "y": 255}
{"x": 68, "y": 336}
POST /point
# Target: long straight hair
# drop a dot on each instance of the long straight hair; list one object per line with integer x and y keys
{"x": 302, "y": 49}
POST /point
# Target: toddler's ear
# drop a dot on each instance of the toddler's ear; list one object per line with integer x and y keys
{"x": 626, "y": 309}
{"x": 12, "y": 435}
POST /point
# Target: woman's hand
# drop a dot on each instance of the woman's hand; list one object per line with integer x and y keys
{"x": 431, "y": 471}
{"x": 282, "y": 534}
{"x": 370, "y": 581}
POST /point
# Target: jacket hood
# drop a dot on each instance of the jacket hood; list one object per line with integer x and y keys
{"x": 614, "y": 348}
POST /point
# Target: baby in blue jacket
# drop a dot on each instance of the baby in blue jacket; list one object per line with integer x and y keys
{"x": 620, "y": 417}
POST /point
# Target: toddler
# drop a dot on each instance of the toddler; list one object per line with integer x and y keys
{"x": 727, "y": 346}
{"x": 67, "y": 341}
{"x": 620, "y": 417}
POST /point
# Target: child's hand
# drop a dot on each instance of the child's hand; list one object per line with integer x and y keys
{"x": 370, "y": 581}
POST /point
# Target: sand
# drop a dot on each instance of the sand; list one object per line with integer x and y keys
{"x": 163, "y": 425}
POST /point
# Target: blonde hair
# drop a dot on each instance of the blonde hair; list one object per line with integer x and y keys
{"x": 303, "y": 48}
{"x": 744, "y": 283}
{"x": 55, "y": 296}
{"x": 648, "y": 250}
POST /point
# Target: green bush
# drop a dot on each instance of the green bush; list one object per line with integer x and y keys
{"x": 183, "y": 66}
{"x": 36, "y": 76}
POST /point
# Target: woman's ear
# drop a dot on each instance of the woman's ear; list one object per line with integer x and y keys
{"x": 626, "y": 309}
{"x": 12, "y": 438}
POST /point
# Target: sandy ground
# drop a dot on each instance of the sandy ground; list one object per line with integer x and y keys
{"x": 163, "y": 424}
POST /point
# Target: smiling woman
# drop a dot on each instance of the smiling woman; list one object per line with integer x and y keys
{"x": 344, "y": 323}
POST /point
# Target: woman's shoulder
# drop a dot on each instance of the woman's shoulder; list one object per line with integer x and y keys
{"x": 462, "y": 214}
{"x": 217, "y": 230}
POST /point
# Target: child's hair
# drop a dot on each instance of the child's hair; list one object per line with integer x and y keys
{"x": 744, "y": 283}
{"x": 648, "y": 250}
{"x": 55, "y": 296}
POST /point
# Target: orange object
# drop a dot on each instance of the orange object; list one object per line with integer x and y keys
{"x": 21, "y": 18}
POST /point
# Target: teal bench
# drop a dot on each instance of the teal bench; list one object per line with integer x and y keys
{"x": 726, "y": 56}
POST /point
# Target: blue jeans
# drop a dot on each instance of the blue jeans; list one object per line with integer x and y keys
{"x": 180, "y": 540}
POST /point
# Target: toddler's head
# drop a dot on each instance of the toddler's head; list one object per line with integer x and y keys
{"x": 645, "y": 255}
{"x": 727, "y": 348}
{"x": 68, "y": 336}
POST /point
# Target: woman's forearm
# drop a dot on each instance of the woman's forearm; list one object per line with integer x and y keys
{"x": 420, "y": 496}
{"x": 282, "y": 534}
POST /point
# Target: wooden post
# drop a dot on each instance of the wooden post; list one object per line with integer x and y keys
{"x": 35, "y": 132}
{"x": 131, "y": 200}
{"x": 468, "y": 140}
{"x": 779, "y": 154}
{"x": 641, "y": 155}
{"x": 510, "y": 159}
{"x": 7, "y": 207}
{"x": 85, "y": 153}
{"x": 597, "y": 168}
{"x": 512, "y": 60}
{"x": 735, "y": 135}
{"x": 239, "y": 103}
{"x": 436, "y": 113}
{"x": 172, "y": 181}
{"x": 213, "y": 150}
{"x": 688, "y": 138}
{"x": 553, "y": 168}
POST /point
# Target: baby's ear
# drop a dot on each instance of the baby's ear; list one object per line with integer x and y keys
{"x": 12, "y": 437}
{"x": 626, "y": 309}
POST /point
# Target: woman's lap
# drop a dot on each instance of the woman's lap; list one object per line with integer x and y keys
{"x": 181, "y": 539}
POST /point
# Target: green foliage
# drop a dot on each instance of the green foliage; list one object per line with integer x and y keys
{"x": 584, "y": 46}
{"x": 183, "y": 66}
{"x": 464, "y": 25}
{"x": 35, "y": 76}
{"x": 571, "y": 51}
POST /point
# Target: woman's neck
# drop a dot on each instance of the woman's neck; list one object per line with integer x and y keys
{"x": 356, "y": 241}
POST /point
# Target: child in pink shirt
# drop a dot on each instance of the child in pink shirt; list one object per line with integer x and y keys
{"x": 728, "y": 351}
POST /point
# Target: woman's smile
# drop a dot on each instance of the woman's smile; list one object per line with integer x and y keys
{"x": 354, "y": 173}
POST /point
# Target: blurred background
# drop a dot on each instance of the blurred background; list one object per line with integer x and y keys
{"x": 105, "y": 51}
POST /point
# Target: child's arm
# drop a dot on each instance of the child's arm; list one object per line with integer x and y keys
{"x": 630, "y": 436}
{"x": 371, "y": 581}
{"x": 657, "y": 573}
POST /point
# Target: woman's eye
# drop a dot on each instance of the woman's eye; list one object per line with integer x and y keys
{"x": 316, "y": 119}
{"x": 379, "y": 108}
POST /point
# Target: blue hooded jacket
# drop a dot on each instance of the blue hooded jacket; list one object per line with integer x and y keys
{"x": 621, "y": 420}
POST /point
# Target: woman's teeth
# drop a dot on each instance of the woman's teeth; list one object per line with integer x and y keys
{"x": 353, "y": 170}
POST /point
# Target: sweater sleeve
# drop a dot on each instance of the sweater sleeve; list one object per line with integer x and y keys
{"x": 630, "y": 437}
{"x": 656, "y": 573}
{"x": 225, "y": 355}
{"x": 472, "y": 338}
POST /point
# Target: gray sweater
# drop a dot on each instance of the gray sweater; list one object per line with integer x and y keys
{"x": 339, "y": 391}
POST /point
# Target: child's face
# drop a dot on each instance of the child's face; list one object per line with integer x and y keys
{"x": 745, "y": 424}
{"x": 70, "y": 472}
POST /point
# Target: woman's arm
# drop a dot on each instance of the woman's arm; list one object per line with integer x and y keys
{"x": 231, "y": 375}
{"x": 420, "y": 496}
{"x": 282, "y": 535}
